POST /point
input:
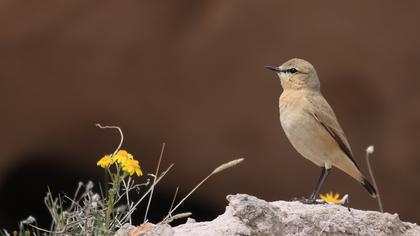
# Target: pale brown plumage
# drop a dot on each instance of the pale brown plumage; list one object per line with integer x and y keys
{"x": 310, "y": 123}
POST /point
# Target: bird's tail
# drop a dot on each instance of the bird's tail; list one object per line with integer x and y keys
{"x": 369, "y": 187}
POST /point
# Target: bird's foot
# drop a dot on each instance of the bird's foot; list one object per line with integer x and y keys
{"x": 306, "y": 200}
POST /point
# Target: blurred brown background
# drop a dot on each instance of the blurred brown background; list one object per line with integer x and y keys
{"x": 190, "y": 73}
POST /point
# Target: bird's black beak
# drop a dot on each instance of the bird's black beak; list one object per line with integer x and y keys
{"x": 273, "y": 68}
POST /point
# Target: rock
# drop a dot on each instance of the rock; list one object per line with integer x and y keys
{"x": 146, "y": 229}
{"x": 125, "y": 230}
{"x": 190, "y": 221}
{"x": 159, "y": 230}
{"x": 248, "y": 215}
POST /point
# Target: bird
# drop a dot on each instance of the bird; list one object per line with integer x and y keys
{"x": 311, "y": 125}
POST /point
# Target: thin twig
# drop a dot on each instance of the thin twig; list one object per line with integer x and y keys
{"x": 79, "y": 185}
{"x": 127, "y": 187}
{"x": 46, "y": 231}
{"x": 147, "y": 192}
{"x": 131, "y": 188}
{"x": 154, "y": 180}
{"x": 73, "y": 202}
{"x": 119, "y": 130}
{"x": 173, "y": 200}
{"x": 370, "y": 150}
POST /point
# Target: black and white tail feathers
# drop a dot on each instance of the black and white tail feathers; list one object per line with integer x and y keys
{"x": 369, "y": 187}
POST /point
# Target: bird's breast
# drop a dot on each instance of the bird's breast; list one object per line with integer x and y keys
{"x": 305, "y": 134}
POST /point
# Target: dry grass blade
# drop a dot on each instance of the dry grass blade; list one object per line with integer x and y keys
{"x": 154, "y": 181}
{"x": 145, "y": 194}
{"x": 215, "y": 171}
{"x": 47, "y": 231}
{"x": 173, "y": 200}
{"x": 227, "y": 165}
{"x": 177, "y": 216}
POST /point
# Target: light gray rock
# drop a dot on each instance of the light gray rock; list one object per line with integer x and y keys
{"x": 124, "y": 230}
{"x": 248, "y": 215}
{"x": 159, "y": 230}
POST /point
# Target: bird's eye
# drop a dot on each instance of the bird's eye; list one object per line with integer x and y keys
{"x": 293, "y": 70}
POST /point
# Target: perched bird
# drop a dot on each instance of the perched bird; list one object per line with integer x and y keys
{"x": 311, "y": 125}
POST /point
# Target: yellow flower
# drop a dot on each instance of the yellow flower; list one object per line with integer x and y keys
{"x": 122, "y": 156}
{"x": 331, "y": 198}
{"x": 130, "y": 166}
{"x": 105, "y": 161}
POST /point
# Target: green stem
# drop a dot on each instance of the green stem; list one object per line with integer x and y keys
{"x": 116, "y": 181}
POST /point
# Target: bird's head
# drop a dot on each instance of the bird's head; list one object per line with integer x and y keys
{"x": 297, "y": 74}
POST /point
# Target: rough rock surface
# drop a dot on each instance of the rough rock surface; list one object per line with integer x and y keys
{"x": 248, "y": 215}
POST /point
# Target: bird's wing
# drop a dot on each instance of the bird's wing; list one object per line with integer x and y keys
{"x": 323, "y": 113}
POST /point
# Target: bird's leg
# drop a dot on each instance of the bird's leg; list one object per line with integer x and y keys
{"x": 312, "y": 198}
{"x": 321, "y": 180}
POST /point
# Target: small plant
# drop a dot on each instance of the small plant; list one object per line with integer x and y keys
{"x": 90, "y": 213}
{"x": 125, "y": 166}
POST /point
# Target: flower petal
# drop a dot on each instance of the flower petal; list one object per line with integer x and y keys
{"x": 105, "y": 161}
